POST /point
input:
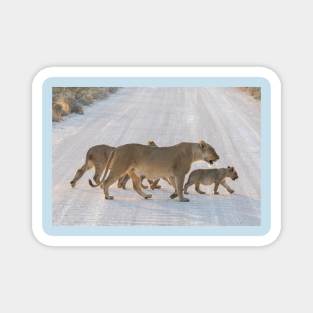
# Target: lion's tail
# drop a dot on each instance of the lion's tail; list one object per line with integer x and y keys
{"x": 107, "y": 166}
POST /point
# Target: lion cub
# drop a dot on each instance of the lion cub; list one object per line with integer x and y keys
{"x": 210, "y": 176}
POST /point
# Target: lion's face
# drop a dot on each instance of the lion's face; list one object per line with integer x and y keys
{"x": 232, "y": 173}
{"x": 208, "y": 152}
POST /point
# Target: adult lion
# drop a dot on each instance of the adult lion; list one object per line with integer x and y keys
{"x": 173, "y": 162}
{"x": 97, "y": 157}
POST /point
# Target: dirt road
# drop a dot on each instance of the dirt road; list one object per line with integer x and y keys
{"x": 224, "y": 117}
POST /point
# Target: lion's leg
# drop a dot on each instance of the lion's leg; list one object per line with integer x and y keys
{"x": 122, "y": 181}
{"x": 111, "y": 179}
{"x": 173, "y": 183}
{"x": 187, "y": 185}
{"x": 215, "y": 188}
{"x": 114, "y": 175}
{"x": 227, "y": 187}
{"x": 142, "y": 177}
{"x": 198, "y": 189}
{"x": 80, "y": 172}
{"x": 99, "y": 168}
{"x": 137, "y": 185}
{"x": 167, "y": 180}
{"x": 125, "y": 180}
{"x": 179, "y": 180}
{"x": 154, "y": 184}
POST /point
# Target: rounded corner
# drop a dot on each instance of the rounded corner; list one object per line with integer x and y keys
{"x": 42, "y": 75}
{"x": 41, "y": 236}
{"x": 271, "y": 236}
{"x": 270, "y": 75}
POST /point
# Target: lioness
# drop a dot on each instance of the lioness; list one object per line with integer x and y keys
{"x": 173, "y": 162}
{"x": 122, "y": 181}
{"x": 97, "y": 157}
{"x": 210, "y": 176}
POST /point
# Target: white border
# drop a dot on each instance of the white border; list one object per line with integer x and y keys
{"x": 244, "y": 72}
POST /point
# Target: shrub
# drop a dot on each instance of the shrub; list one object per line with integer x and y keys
{"x": 66, "y": 100}
{"x": 56, "y": 113}
{"x": 255, "y": 92}
{"x": 77, "y": 108}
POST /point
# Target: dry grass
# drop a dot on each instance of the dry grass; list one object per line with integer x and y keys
{"x": 66, "y": 100}
{"x": 255, "y": 92}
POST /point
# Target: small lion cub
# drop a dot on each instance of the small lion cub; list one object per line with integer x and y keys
{"x": 210, "y": 176}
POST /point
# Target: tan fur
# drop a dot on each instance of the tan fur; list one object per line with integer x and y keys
{"x": 122, "y": 181}
{"x": 173, "y": 162}
{"x": 96, "y": 157}
{"x": 211, "y": 176}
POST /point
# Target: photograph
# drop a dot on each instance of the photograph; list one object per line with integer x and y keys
{"x": 156, "y": 156}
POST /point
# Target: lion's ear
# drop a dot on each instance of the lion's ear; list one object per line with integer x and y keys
{"x": 202, "y": 144}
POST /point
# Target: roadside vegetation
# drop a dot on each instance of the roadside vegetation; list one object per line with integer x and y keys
{"x": 66, "y": 100}
{"x": 255, "y": 92}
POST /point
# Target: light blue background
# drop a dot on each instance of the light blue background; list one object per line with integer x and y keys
{"x": 157, "y": 230}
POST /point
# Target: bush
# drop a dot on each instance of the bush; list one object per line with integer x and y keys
{"x": 77, "y": 108}
{"x": 56, "y": 113}
{"x": 62, "y": 104}
{"x": 66, "y": 100}
{"x": 255, "y": 92}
